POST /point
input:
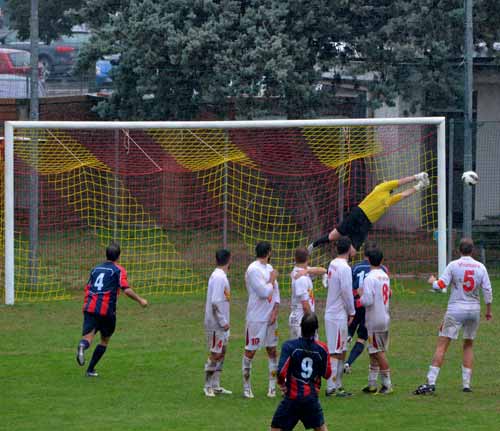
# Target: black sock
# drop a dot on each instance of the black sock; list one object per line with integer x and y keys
{"x": 355, "y": 352}
{"x": 98, "y": 352}
{"x": 83, "y": 342}
{"x": 322, "y": 240}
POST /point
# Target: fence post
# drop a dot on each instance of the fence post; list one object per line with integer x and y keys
{"x": 451, "y": 137}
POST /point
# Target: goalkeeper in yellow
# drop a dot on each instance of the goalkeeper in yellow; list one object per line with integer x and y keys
{"x": 359, "y": 221}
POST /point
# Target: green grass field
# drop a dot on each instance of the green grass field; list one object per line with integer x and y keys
{"x": 151, "y": 377}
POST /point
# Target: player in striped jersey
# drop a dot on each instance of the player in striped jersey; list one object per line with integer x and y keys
{"x": 359, "y": 221}
{"x": 262, "y": 317}
{"x": 302, "y": 290}
{"x": 375, "y": 294}
{"x": 466, "y": 277}
{"x": 339, "y": 313}
{"x": 99, "y": 306}
{"x": 303, "y": 362}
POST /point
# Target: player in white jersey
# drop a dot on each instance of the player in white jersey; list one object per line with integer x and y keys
{"x": 375, "y": 294}
{"x": 465, "y": 276}
{"x": 262, "y": 317}
{"x": 302, "y": 290}
{"x": 217, "y": 323}
{"x": 339, "y": 313}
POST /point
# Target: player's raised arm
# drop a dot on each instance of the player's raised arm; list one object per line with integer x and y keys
{"x": 443, "y": 281}
{"x": 132, "y": 295}
{"x": 316, "y": 271}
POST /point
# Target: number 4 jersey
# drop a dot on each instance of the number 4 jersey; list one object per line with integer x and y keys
{"x": 103, "y": 287}
{"x": 465, "y": 276}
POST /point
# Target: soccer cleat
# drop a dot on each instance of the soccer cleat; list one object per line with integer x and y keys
{"x": 369, "y": 389}
{"x": 209, "y": 392}
{"x": 222, "y": 391}
{"x": 80, "y": 355}
{"x": 310, "y": 248}
{"x": 467, "y": 390}
{"x": 347, "y": 368}
{"x": 384, "y": 390}
{"x": 92, "y": 373}
{"x": 271, "y": 393}
{"x": 341, "y": 393}
{"x": 247, "y": 393}
{"x": 425, "y": 389}
{"x": 330, "y": 392}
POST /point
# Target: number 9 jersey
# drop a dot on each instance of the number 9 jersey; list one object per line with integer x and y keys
{"x": 103, "y": 287}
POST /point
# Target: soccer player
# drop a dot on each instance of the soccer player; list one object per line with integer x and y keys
{"x": 359, "y": 221}
{"x": 359, "y": 272}
{"x": 262, "y": 317}
{"x": 375, "y": 295}
{"x": 466, "y": 277}
{"x": 303, "y": 362}
{"x": 217, "y": 323}
{"x": 302, "y": 290}
{"x": 99, "y": 306}
{"x": 339, "y": 312}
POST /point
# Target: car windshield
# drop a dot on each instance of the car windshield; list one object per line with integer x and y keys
{"x": 20, "y": 59}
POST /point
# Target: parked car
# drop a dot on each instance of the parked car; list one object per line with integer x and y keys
{"x": 58, "y": 58}
{"x": 14, "y": 61}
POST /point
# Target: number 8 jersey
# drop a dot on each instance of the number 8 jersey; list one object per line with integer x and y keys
{"x": 465, "y": 276}
{"x": 375, "y": 299}
{"x": 103, "y": 287}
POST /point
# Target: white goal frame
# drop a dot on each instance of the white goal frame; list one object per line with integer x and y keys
{"x": 439, "y": 122}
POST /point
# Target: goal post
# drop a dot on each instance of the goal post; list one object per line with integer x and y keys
{"x": 172, "y": 192}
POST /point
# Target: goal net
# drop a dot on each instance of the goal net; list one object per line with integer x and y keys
{"x": 172, "y": 193}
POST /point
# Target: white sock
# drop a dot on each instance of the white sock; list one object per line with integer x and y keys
{"x": 340, "y": 372}
{"x": 209, "y": 372}
{"x": 432, "y": 375}
{"x": 386, "y": 378}
{"x": 373, "y": 371}
{"x": 217, "y": 372}
{"x": 246, "y": 368}
{"x": 331, "y": 383}
{"x": 466, "y": 375}
{"x": 273, "y": 368}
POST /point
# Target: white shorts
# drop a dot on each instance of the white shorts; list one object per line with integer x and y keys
{"x": 260, "y": 334}
{"x": 294, "y": 325}
{"x": 378, "y": 342}
{"x": 454, "y": 320}
{"x": 217, "y": 340}
{"x": 336, "y": 335}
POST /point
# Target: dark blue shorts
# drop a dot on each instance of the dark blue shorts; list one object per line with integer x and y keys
{"x": 290, "y": 412}
{"x": 358, "y": 323}
{"x": 94, "y": 322}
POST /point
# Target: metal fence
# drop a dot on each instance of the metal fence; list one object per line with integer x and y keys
{"x": 486, "y": 194}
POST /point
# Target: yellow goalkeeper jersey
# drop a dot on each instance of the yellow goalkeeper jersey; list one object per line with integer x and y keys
{"x": 379, "y": 200}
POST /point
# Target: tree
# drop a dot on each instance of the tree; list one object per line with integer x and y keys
{"x": 53, "y": 17}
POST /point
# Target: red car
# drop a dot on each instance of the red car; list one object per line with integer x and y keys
{"x": 14, "y": 61}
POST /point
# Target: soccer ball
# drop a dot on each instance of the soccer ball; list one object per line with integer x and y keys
{"x": 470, "y": 178}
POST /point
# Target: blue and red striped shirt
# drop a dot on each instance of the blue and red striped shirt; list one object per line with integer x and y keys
{"x": 302, "y": 364}
{"x": 103, "y": 288}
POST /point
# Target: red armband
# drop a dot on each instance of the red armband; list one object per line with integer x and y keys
{"x": 441, "y": 284}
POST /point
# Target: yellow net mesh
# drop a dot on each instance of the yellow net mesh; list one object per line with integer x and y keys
{"x": 172, "y": 197}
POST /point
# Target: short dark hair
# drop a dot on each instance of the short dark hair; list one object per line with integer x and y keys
{"x": 222, "y": 256}
{"x": 262, "y": 249}
{"x": 343, "y": 244}
{"x": 309, "y": 325}
{"x": 466, "y": 246}
{"x": 369, "y": 245}
{"x": 301, "y": 255}
{"x": 375, "y": 256}
{"x": 113, "y": 251}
